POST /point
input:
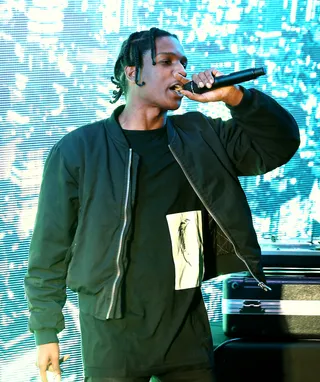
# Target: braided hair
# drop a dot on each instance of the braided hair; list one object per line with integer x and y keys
{"x": 131, "y": 53}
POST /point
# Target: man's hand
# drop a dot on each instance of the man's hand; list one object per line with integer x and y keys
{"x": 48, "y": 360}
{"x": 232, "y": 95}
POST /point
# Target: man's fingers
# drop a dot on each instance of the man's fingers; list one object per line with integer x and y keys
{"x": 43, "y": 373}
{"x": 188, "y": 94}
{"x": 55, "y": 369}
{"x": 181, "y": 78}
{"x": 55, "y": 366}
{"x": 48, "y": 360}
{"x": 57, "y": 378}
{"x": 52, "y": 369}
{"x": 61, "y": 360}
{"x": 194, "y": 97}
{"x": 206, "y": 78}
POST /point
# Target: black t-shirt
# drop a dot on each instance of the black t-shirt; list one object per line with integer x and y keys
{"x": 165, "y": 324}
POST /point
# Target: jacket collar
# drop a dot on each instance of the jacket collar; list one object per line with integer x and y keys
{"x": 171, "y": 131}
{"x": 115, "y": 130}
{"x": 113, "y": 127}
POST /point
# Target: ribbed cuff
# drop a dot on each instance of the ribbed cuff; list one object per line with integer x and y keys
{"x": 45, "y": 336}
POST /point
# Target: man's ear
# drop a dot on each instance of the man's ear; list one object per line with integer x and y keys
{"x": 130, "y": 72}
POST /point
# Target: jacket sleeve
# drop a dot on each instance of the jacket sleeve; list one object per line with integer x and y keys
{"x": 45, "y": 281}
{"x": 261, "y": 135}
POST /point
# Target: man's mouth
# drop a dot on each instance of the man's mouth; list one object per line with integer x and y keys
{"x": 176, "y": 88}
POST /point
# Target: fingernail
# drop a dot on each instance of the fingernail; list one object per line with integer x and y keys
{"x": 201, "y": 84}
{"x": 208, "y": 85}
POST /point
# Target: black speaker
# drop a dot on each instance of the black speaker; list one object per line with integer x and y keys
{"x": 272, "y": 361}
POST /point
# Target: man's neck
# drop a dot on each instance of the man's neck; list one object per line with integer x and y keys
{"x": 142, "y": 118}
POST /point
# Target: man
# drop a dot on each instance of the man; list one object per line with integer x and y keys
{"x": 129, "y": 212}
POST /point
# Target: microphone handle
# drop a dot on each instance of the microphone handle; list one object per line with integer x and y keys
{"x": 227, "y": 80}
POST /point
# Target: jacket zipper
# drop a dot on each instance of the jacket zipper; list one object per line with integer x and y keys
{"x": 121, "y": 235}
{"x": 260, "y": 283}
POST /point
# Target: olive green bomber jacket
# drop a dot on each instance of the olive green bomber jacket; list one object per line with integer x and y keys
{"x": 88, "y": 194}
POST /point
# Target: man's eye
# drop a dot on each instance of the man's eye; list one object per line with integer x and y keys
{"x": 169, "y": 62}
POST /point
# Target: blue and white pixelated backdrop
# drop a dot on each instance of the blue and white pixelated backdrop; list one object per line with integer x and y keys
{"x": 56, "y": 59}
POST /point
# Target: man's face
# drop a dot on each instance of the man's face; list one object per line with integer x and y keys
{"x": 159, "y": 78}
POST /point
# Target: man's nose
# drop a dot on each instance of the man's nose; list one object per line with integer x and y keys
{"x": 181, "y": 70}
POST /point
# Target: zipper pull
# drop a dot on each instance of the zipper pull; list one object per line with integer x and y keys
{"x": 263, "y": 286}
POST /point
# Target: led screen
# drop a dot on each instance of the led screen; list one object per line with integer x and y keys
{"x": 56, "y": 59}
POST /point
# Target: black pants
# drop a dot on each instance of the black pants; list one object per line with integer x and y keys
{"x": 176, "y": 376}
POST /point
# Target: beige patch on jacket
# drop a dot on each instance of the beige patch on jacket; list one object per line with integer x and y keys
{"x": 187, "y": 248}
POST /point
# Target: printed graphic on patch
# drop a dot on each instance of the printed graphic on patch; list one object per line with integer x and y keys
{"x": 187, "y": 248}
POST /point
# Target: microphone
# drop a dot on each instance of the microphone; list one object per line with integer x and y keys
{"x": 226, "y": 80}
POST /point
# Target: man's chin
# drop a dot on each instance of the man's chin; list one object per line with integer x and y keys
{"x": 176, "y": 107}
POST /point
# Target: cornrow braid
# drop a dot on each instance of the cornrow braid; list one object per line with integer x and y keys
{"x": 125, "y": 51}
{"x": 137, "y": 61}
{"x": 131, "y": 54}
{"x": 116, "y": 93}
{"x": 153, "y": 32}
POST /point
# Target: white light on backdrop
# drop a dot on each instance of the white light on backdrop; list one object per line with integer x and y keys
{"x": 56, "y": 59}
